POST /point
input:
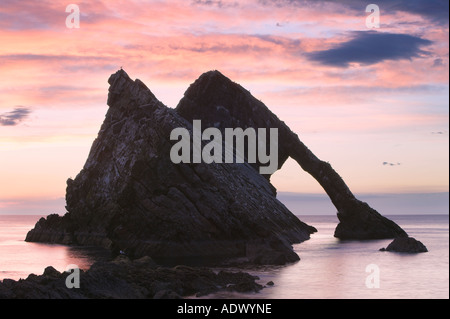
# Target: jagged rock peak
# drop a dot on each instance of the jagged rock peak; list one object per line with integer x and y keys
{"x": 121, "y": 85}
{"x": 213, "y": 80}
{"x": 211, "y": 76}
{"x": 214, "y": 98}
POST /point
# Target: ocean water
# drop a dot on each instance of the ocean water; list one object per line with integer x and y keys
{"x": 333, "y": 269}
{"x": 328, "y": 267}
{"x": 18, "y": 258}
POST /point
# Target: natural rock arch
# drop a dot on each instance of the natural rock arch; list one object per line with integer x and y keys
{"x": 221, "y": 103}
{"x": 131, "y": 197}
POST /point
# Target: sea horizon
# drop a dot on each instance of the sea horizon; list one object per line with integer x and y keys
{"x": 300, "y": 203}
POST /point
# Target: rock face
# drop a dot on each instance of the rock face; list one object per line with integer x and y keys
{"x": 219, "y": 102}
{"x": 406, "y": 245}
{"x": 130, "y": 197}
{"x": 126, "y": 279}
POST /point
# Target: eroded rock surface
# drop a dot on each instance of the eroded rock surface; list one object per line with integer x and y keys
{"x": 130, "y": 197}
{"x": 221, "y": 103}
{"x": 126, "y": 279}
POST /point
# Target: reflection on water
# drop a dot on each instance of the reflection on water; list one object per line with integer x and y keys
{"x": 18, "y": 258}
{"x": 329, "y": 268}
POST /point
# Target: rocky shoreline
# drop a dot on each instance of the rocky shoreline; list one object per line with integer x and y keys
{"x": 123, "y": 278}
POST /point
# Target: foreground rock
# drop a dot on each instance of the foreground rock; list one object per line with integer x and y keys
{"x": 123, "y": 278}
{"x": 131, "y": 197}
{"x": 406, "y": 245}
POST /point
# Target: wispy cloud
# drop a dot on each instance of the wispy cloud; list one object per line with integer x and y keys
{"x": 14, "y": 117}
{"x": 370, "y": 47}
{"x": 216, "y": 3}
{"x": 436, "y": 11}
{"x": 438, "y": 62}
{"x": 394, "y": 89}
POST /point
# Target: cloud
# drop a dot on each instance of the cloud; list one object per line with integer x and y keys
{"x": 391, "y": 164}
{"x": 216, "y": 3}
{"x": 237, "y": 45}
{"x": 436, "y": 11}
{"x": 52, "y": 57}
{"x": 438, "y": 62}
{"x": 14, "y": 117}
{"x": 370, "y": 47}
{"x": 48, "y": 15}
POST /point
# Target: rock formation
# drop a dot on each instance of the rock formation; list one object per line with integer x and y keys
{"x": 131, "y": 197}
{"x": 219, "y": 102}
{"x": 126, "y": 279}
{"x": 406, "y": 245}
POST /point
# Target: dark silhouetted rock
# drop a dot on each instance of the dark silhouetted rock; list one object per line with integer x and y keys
{"x": 221, "y": 103}
{"x": 130, "y": 197}
{"x": 52, "y": 229}
{"x": 126, "y": 279}
{"x": 166, "y": 294}
{"x": 406, "y": 245}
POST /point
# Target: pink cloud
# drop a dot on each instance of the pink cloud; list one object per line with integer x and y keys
{"x": 263, "y": 45}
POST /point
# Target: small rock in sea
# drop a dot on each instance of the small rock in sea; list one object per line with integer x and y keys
{"x": 406, "y": 245}
{"x": 270, "y": 283}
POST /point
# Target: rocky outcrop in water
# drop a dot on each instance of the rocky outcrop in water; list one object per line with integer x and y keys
{"x": 126, "y": 279}
{"x": 220, "y": 103}
{"x": 406, "y": 245}
{"x": 131, "y": 197}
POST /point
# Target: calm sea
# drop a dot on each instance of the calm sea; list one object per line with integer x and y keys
{"x": 329, "y": 268}
{"x": 18, "y": 258}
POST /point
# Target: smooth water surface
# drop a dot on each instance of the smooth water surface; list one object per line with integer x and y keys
{"x": 18, "y": 258}
{"x": 329, "y": 268}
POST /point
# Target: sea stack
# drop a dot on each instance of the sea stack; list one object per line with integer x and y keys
{"x": 221, "y": 103}
{"x": 131, "y": 197}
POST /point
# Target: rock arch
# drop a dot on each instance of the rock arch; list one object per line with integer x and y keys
{"x": 131, "y": 197}
{"x": 219, "y": 102}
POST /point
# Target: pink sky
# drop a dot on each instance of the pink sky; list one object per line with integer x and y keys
{"x": 356, "y": 114}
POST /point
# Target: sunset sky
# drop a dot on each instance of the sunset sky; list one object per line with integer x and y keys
{"x": 372, "y": 102}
